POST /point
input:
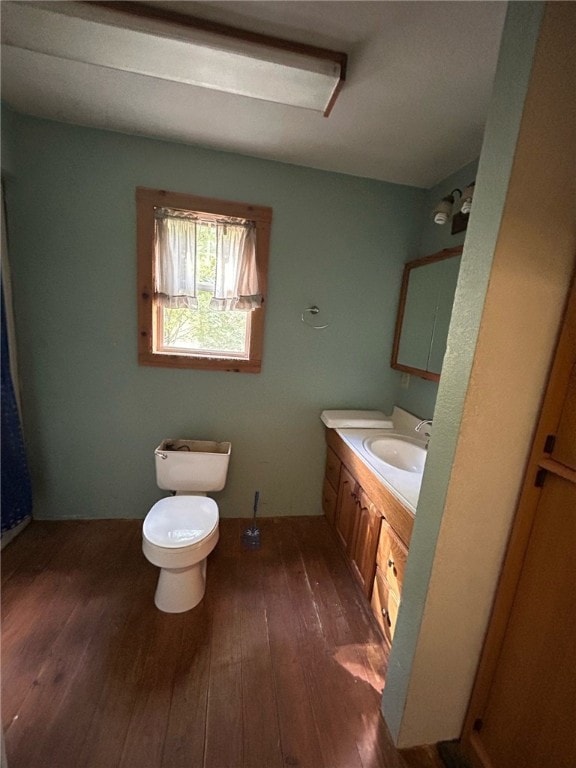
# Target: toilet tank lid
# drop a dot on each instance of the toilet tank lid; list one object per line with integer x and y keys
{"x": 179, "y": 521}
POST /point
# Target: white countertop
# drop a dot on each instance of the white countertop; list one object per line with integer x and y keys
{"x": 402, "y": 484}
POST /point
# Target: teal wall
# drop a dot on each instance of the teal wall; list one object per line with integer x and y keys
{"x": 93, "y": 416}
{"x": 419, "y": 396}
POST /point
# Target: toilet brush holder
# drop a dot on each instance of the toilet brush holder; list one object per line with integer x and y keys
{"x": 251, "y": 536}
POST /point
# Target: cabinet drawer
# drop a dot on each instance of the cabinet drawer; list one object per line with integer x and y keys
{"x": 391, "y": 558}
{"x": 329, "y": 497}
{"x": 385, "y": 605}
{"x": 332, "y": 468}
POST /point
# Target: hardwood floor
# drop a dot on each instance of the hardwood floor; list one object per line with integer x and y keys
{"x": 281, "y": 665}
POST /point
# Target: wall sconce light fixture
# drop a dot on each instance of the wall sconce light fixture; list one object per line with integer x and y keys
{"x": 445, "y": 209}
{"x": 467, "y": 196}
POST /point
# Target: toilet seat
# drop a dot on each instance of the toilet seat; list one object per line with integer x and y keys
{"x": 178, "y": 522}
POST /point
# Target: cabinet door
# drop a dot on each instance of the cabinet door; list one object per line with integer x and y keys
{"x": 385, "y": 605}
{"x": 391, "y": 558}
{"x": 346, "y": 510}
{"x": 329, "y": 498}
{"x": 366, "y": 542}
{"x": 332, "y": 472}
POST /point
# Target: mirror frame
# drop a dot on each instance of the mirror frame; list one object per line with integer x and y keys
{"x": 447, "y": 253}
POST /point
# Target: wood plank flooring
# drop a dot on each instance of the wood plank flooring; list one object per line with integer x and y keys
{"x": 280, "y": 666}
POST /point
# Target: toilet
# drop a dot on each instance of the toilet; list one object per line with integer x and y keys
{"x": 181, "y": 530}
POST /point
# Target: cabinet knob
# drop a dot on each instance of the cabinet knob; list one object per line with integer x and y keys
{"x": 386, "y": 615}
{"x": 390, "y": 563}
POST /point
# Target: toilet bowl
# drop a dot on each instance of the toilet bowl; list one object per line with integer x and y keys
{"x": 179, "y": 533}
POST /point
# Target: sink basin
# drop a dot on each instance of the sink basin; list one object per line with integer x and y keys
{"x": 397, "y": 452}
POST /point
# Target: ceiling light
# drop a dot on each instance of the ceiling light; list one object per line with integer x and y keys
{"x": 135, "y": 37}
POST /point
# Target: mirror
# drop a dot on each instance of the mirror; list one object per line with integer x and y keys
{"x": 424, "y": 311}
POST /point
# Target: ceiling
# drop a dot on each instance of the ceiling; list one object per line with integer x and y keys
{"x": 412, "y": 109}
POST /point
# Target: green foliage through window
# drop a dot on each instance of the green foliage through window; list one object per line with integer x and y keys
{"x": 204, "y": 329}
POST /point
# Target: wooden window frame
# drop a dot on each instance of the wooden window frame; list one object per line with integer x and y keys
{"x": 147, "y": 200}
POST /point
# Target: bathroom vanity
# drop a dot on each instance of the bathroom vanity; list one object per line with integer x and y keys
{"x": 373, "y": 523}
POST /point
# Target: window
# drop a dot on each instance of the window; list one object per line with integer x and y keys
{"x": 202, "y": 275}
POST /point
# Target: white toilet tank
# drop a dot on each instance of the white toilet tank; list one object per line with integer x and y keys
{"x": 192, "y": 465}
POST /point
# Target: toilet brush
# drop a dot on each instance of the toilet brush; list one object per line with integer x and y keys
{"x": 251, "y": 536}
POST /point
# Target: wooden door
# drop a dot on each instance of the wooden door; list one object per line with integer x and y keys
{"x": 523, "y": 707}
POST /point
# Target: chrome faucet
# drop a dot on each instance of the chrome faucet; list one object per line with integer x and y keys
{"x": 425, "y": 423}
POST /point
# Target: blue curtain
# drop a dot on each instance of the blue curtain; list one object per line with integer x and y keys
{"x": 16, "y": 489}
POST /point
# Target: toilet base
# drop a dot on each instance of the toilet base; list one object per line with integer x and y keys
{"x": 180, "y": 589}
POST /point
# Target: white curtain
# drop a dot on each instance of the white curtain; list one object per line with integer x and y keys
{"x": 236, "y": 273}
{"x": 175, "y": 272}
{"x": 236, "y": 284}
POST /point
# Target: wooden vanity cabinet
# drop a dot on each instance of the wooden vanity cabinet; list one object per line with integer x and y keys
{"x": 373, "y": 527}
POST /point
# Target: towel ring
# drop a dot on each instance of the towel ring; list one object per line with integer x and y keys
{"x": 313, "y": 311}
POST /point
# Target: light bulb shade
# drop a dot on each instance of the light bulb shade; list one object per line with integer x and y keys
{"x": 443, "y": 210}
{"x": 185, "y": 51}
{"x": 467, "y": 195}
